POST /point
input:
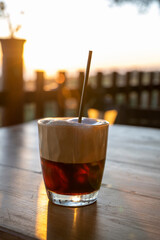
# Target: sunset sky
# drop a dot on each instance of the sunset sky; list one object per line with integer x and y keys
{"x": 60, "y": 33}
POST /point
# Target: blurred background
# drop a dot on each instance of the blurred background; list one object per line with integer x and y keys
{"x": 44, "y": 49}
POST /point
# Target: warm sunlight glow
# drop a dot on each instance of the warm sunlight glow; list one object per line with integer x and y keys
{"x": 75, "y": 217}
{"x": 93, "y": 113}
{"x": 110, "y": 116}
{"x": 60, "y": 79}
{"x": 60, "y": 33}
{"x": 42, "y": 208}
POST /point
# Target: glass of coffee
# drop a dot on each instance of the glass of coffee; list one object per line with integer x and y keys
{"x": 72, "y": 158}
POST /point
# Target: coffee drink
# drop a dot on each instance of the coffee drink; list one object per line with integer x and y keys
{"x": 72, "y": 158}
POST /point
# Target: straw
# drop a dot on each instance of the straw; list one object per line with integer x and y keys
{"x": 84, "y": 86}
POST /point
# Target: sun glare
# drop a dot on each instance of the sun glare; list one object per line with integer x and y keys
{"x": 60, "y": 33}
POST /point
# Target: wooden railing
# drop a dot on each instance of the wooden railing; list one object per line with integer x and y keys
{"x": 135, "y": 95}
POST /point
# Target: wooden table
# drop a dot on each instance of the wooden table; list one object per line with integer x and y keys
{"x": 128, "y": 205}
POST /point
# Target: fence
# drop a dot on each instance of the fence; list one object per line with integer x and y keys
{"x": 135, "y": 95}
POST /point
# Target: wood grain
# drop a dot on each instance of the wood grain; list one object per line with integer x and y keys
{"x": 25, "y": 209}
{"x": 128, "y": 205}
{"x": 6, "y": 234}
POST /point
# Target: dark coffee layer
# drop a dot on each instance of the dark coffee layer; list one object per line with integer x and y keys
{"x": 72, "y": 179}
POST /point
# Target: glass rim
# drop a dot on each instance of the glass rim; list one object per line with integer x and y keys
{"x": 44, "y": 121}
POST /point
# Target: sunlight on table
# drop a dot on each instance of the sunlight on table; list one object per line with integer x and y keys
{"x": 75, "y": 217}
{"x": 42, "y": 209}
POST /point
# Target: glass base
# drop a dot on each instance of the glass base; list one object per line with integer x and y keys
{"x": 72, "y": 200}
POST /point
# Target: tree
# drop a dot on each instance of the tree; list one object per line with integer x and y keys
{"x": 142, "y": 4}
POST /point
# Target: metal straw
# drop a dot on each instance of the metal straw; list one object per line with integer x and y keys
{"x": 84, "y": 86}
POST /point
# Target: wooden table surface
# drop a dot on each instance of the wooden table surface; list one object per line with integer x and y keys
{"x": 128, "y": 205}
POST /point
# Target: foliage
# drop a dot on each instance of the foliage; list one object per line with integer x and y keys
{"x": 6, "y": 15}
{"x": 142, "y": 4}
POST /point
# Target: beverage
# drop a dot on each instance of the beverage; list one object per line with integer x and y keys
{"x": 72, "y": 178}
{"x": 72, "y": 158}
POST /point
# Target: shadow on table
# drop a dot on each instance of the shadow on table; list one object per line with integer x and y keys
{"x": 71, "y": 223}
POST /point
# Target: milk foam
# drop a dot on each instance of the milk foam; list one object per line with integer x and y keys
{"x": 65, "y": 140}
{"x": 71, "y": 121}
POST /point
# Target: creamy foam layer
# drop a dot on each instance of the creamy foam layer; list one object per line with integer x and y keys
{"x": 65, "y": 140}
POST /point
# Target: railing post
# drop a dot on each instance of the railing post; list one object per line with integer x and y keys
{"x": 114, "y": 86}
{"x": 99, "y": 89}
{"x": 80, "y": 81}
{"x": 60, "y": 94}
{"x": 151, "y": 77}
{"x": 140, "y": 77}
{"x": 128, "y": 78}
{"x": 39, "y": 94}
{"x": 159, "y": 89}
{"x": 99, "y": 80}
{"x": 12, "y": 77}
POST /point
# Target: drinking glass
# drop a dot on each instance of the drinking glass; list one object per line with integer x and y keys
{"x": 72, "y": 158}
